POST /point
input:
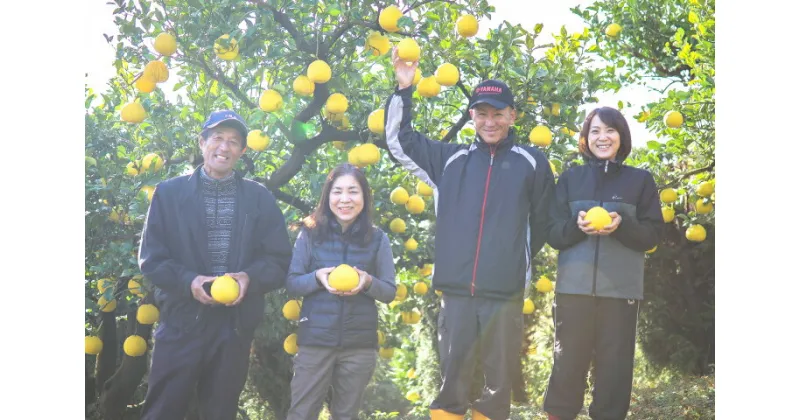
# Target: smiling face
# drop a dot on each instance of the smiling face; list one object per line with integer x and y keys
{"x": 221, "y": 149}
{"x": 491, "y": 123}
{"x": 604, "y": 140}
{"x": 346, "y": 200}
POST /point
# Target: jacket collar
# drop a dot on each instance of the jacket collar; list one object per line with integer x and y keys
{"x": 606, "y": 166}
{"x": 194, "y": 183}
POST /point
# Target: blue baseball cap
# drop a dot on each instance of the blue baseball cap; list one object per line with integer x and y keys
{"x": 227, "y": 118}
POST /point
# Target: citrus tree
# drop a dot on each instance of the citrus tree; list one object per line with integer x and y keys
{"x": 311, "y": 79}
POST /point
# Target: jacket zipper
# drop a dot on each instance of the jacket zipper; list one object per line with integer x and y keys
{"x": 597, "y": 243}
{"x": 483, "y": 213}
{"x": 341, "y": 301}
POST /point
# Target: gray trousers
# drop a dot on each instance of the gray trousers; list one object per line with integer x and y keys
{"x": 317, "y": 368}
{"x": 468, "y": 326}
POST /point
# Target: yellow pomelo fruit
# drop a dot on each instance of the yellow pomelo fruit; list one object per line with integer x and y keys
{"x": 386, "y": 353}
{"x": 105, "y": 305}
{"x": 408, "y": 50}
{"x": 541, "y": 136}
{"x": 528, "y": 306}
{"x": 399, "y": 196}
{"x": 424, "y": 189}
{"x": 319, "y": 71}
{"x": 705, "y": 189}
{"x": 133, "y": 112}
{"x": 257, "y": 140}
{"x": 598, "y": 217}
{"x": 147, "y": 314}
{"x": 673, "y": 119}
{"x": 417, "y": 76}
{"x": 467, "y": 26}
{"x": 447, "y": 75}
{"x": 652, "y": 250}
{"x": 428, "y": 87}
{"x": 303, "y": 86}
{"x": 613, "y": 30}
{"x": 104, "y": 284}
{"x": 92, "y": 344}
{"x": 555, "y": 109}
{"x": 336, "y": 104}
{"x": 343, "y": 278}
{"x": 375, "y": 121}
{"x": 544, "y": 285}
{"x": 134, "y": 287}
{"x": 377, "y": 44}
{"x": 152, "y": 162}
{"x": 369, "y": 154}
{"x": 290, "y": 344}
{"x": 397, "y": 225}
{"x": 388, "y": 18}
{"x": 149, "y": 190}
{"x": 401, "y": 293}
{"x": 703, "y": 207}
{"x": 131, "y": 169}
{"x": 291, "y": 310}
{"x": 668, "y": 213}
{"x": 415, "y": 204}
{"x": 411, "y": 244}
{"x": 225, "y": 50}
{"x": 165, "y": 44}
{"x": 353, "y": 157}
{"x": 134, "y": 346}
{"x": 420, "y": 288}
{"x": 156, "y": 71}
{"x": 271, "y": 100}
{"x": 696, "y": 233}
{"x": 144, "y": 84}
{"x": 668, "y": 195}
{"x": 225, "y": 289}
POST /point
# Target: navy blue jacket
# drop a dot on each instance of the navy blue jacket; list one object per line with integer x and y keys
{"x": 329, "y": 320}
{"x": 491, "y": 204}
{"x": 174, "y": 250}
{"x": 613, "y": 265}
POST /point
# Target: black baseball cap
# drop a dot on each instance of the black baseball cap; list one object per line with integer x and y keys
{"x": 228, "y": 118}
{"x": 494, "y": 93}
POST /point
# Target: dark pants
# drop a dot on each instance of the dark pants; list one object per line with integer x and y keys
{"x": 468, "y": 326}
{"x": 600, "y": 331}
{"x": 212, "y": 362}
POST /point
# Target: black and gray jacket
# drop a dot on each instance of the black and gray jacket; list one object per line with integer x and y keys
{"x": 613, "y": 265}
{"x": 328, "y": 320}
{"x": 490, "y": 201}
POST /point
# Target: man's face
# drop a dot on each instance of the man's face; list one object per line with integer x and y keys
{"x": 221, "y": 150}
{"x": 491, "y": 123}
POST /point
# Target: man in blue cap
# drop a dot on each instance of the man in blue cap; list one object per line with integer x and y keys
{"x": 491, "y": 199}
{"x": 200, "y": 226}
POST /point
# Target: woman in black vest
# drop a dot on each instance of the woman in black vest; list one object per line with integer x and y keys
{"x": 600, "y": 278}
{"x": 337, "y": 337}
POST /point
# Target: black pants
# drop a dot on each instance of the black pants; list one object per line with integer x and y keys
{"x": 464, "y": 324}
{"x": 213, "y": 362}
{"x": 597, "y": 330}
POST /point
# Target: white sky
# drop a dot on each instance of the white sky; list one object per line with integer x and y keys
{"x": 552, "y": 14}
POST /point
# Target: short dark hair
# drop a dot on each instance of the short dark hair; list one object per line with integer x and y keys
{"x": 319, "y": 221}
{"x": 612, "y": 118}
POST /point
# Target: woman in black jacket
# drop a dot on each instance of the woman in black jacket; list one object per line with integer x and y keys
{"x": 600, "y": 271}
{"x": 337, "y": 337}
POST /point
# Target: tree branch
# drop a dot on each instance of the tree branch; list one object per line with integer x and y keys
{"x": 688, "y": 174}
{"x": 420, "y": 3}
{"x": 286, "y": 23}
{"x": 321, "y": 93}
{"x": 224, "y": 80}
{"x": 457, "y": 127}
{"x": 304, "y": 148}
{"x": 377, "y": 27}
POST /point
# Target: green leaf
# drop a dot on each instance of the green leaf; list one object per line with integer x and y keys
{"x": 653, "y": 145}
{"x": 538, "y": 28}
